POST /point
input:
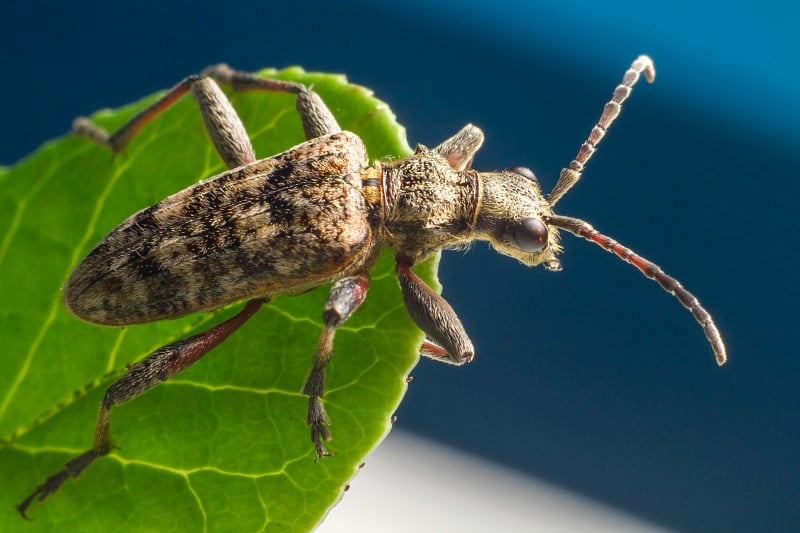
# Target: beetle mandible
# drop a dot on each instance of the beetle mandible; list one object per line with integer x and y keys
{"x": 316, "y": 214}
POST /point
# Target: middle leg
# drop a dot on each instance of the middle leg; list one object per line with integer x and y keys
{"x": 345, "y": 297}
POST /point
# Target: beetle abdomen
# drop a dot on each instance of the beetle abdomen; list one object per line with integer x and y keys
{"x": 279, "y": 225}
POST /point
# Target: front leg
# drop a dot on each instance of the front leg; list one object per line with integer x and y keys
{"x": 433, "y": 315}
{"x": 345, "y": 297}
{"x": 461, "y": 147}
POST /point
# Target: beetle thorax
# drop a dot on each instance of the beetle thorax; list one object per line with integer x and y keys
{"x": 429, "y": 205}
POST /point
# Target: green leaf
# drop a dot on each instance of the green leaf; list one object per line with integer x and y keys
{"x": 224, "y": 445}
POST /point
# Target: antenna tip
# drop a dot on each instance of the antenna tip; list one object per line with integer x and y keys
{"x": 645, "y": 65}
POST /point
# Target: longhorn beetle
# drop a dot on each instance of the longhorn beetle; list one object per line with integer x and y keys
{"x": 316, "y": 214}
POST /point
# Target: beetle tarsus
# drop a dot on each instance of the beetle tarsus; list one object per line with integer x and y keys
{"x": 318, "y": 419}
{"x": 51, "y": 485}
{"x": 72, "y": 469}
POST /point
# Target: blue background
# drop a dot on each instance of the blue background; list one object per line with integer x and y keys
{"x": 592, "y": 378}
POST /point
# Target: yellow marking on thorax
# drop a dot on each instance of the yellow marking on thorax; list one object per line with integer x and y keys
{"x": 372, "y": 185}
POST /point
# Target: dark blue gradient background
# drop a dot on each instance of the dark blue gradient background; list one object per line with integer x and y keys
{"x": 591, "y": 378}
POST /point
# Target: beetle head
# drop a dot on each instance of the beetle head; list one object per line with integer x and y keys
{"x": 512, "y": 217}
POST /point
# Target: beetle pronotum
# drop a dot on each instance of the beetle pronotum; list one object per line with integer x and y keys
{"x": 316, "y": 214}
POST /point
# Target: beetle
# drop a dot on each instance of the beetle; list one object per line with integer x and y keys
{"x": 315, "y": 214}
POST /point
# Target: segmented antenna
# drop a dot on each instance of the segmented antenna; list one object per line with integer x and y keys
{"x": 569, "y": 176}
{"x": 583, "y": 229}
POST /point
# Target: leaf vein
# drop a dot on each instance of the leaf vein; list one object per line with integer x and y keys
{"x": 22, "y": 204}
{"x": 235, "y": 388}
{"x": 280, "y": 471}
{"x": 198, "y": 500}
{"x": 37, "y": 341}
{"x": 92, "y": 385}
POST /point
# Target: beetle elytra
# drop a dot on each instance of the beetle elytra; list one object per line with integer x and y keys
{"x": 317, "y": 213}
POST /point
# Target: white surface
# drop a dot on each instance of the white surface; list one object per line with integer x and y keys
{"x": 412, "y": 485}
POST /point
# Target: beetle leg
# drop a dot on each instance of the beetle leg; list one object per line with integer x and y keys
{"x": 316, "y": 117}
{"x": 223, "y": 124}
{"x": 159, "y": 366}
{"x": 461, "y": 147}
{"x": 433, "y": 315}
{"x": 433, "y": 351}
{"x": 345, "y": 297}
{"x": 119, "y": 140}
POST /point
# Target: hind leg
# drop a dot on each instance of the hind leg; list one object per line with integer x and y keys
{"x": 158, "y": 367}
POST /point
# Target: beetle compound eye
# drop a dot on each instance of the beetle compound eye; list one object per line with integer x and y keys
{"x": 524, "y": 171}
{"x": 529, "y": 235}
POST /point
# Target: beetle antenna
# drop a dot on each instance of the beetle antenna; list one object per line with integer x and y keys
{"x": 569, "y": 176}
{"x": 651, "y": 270}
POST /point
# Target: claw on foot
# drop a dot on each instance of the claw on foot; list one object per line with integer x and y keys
{"x": 72, "y": 469}
{"x": 318, "y": 419}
